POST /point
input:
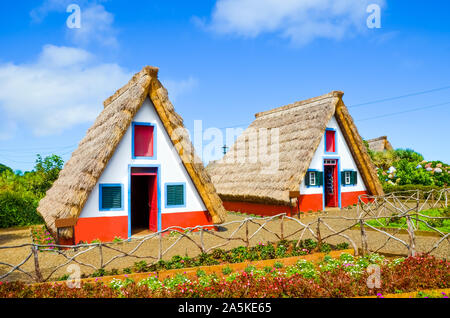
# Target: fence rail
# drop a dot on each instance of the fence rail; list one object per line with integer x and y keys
{"x": 323, "y": 228}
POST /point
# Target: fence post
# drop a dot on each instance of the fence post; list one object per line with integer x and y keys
{"x": 446, "y": 202}
{"x": 201, "y": 240}
{"x": 247, "y": 243}
{"x": 319, "y": 237}
{"x": 37, "y": 269}
{"x": 282, "y": 228}
{"x": 160, "y": 247}
{"x": 100, "y": 250}
{"x": 364, "y": 244}
{"x": 412, "y": 240}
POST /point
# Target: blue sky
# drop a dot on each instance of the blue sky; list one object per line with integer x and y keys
{"x": 223, "y": 61}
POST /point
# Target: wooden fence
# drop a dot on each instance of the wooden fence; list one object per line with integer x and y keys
{"x": 323, "y": 228}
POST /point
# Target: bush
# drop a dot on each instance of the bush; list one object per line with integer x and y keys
{"x": 409, "y": 188}
{"x": 18, "y": 209}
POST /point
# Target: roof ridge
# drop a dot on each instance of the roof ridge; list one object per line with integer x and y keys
{"x": 146, "y": 70}
{"x": 300, "y": 103}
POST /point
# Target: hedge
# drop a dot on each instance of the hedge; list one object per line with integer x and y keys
{"x": 411, "y": 188}
{"x": 18, "y": 209}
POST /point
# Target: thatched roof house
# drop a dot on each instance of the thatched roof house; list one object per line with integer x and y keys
{"x": 245, "y": 184}
{"x": 379, "y": 144}
{"x": 105, "y": 155}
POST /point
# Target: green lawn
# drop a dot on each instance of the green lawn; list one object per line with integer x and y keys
{"x": 442, "y": 225}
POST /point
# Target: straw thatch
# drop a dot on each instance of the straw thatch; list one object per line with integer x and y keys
{"x": 379, "y": 144}
{"x": 69, "y": 193}
{"x": 242, "y": 175}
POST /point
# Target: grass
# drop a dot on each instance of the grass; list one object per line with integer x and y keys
{"x": 442, "y": 225}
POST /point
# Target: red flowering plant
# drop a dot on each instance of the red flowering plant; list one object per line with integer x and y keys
{"x": 411, "y": 274}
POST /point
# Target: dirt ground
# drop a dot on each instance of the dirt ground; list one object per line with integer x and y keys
{"x": 149, "y": 249}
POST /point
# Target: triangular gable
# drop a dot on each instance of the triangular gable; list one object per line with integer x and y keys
{"x": 69, "y": 193}
{"x": 301, "y": 126}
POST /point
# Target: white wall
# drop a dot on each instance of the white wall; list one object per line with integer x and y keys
{"x": 345, "y": 160}
{"x": 171, "y": 169}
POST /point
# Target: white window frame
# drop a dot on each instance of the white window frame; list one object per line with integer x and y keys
{"x": 348, "y": 177}
{"x": 312, "y": 178}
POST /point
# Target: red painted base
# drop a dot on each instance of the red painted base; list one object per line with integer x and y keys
{"x": 257, "y": 208}
{"x": 350, "y": 198}
{"x": 311, "y": 202}
{"x": 186, "y": 219}
{"x": 103, "y": 228}
{"x": 308, "y": 203}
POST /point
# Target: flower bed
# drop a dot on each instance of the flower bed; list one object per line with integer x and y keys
{"x": 429, "y": 293}
{"x": 240, "y": 254}
{"x": 221, "y": 270}
{"x": 343, "y": 277}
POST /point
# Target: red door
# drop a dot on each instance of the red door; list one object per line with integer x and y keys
{"x": 331, "y": 183}
{"x": 153, "y": 203}
{"x": 144, "y": 199}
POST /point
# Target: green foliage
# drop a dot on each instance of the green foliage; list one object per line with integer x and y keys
{"x": 278, "y": 265}
{"x": 18, "y": 209}
{"x": 325, "y": 248}
{"x": 21, "y": 193}
{"x": 411, "y": 188}
{"x": 410, "y": 169}
{"x": 227, "y": 270}
{"x": 5, "y": 168}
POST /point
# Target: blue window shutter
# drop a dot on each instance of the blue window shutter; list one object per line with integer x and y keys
{"x": 354, "y": 177}
{"x": 111, "y": 197}
{"x": 307, "y": 178}
{"x": 319, "y": 178}
{"x": 175, "y": 194}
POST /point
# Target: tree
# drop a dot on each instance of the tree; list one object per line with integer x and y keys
{"x": 4, "y": 168}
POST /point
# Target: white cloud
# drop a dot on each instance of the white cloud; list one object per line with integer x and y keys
{"x": 61, "y": 89}
{"x": 177, "y": 88}
{"x": 301, "y": 21}
{"x": 96, "y": 21}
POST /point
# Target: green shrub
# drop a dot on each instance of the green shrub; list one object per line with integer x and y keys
{"x": 201, "y": 273}
{"x": 227, "y": 270}
{"x": 342, "y": 246}
{"x": 18, "y": 209}
{"x": 140, "y": 266}
{"x": 278, "y": 265}
{"x": 325, "y": 248}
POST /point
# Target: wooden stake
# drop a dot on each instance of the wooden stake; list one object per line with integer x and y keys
{"x": 364, "y": 242}
{"x": 319, "y": 237}
{"x": 412, "y": 240}
{"x": 37, "y": 269}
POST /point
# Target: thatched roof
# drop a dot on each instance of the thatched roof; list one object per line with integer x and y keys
{"x": 69, "y": 193}
{"x": 379, "y": 144}
{"x": 301, "y": 126}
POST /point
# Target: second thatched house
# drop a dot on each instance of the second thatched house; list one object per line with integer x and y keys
{"x": 379, "y": 144}
{"x": 134, "y": 170}
{"x": 307, "y": 155}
